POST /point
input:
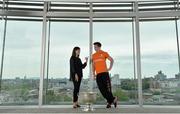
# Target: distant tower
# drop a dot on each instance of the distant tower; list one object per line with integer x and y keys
{"x": 160, "y": 76}
{"x": 177, "y": 76}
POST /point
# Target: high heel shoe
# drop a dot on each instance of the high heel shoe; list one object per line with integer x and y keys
{"x": 115, "y": 102}
{"x": 108, "y": 105}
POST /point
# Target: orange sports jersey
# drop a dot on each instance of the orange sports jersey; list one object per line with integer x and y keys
{"x": 99, "y": 61}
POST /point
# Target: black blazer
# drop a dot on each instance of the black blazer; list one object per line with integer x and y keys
{"x": 76, "y": 66}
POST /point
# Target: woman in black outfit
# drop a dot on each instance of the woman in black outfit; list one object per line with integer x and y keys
{"x": 76, "y": 73}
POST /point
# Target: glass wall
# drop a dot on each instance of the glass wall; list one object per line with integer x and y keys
{"x": 63, "y": 38}
{"x": 1, "y": 38}
{"x": 117, "y": 40}
{"x": 22, "y": 57}
{"x": 21, "y": 71}
{"x": 160, "y": 70}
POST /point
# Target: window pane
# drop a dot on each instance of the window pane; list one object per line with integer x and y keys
{"x": 21, "y": 63}
{"x": 64, "y": 37}
{"x": 116, "y": 39}
{"x": 159, "y": 63}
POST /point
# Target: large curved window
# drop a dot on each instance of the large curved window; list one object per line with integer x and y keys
{"x": 21, "y": 71}
{"x": 113, "y": 25}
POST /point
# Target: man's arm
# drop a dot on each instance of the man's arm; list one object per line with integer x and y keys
{"x": 111, "y": 62}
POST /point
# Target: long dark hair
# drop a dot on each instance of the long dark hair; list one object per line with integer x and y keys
{"x": 74, "y": 51}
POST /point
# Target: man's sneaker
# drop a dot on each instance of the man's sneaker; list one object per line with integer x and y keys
{"x": 78, "y": 106}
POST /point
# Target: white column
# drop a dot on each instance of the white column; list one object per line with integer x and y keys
{"x": 90, "y": 44}
{"x": 43, "y": 54}
{"x": 177, "y": 34}
{"x": 138, "y": 58}
{"x": 134, "y": 55}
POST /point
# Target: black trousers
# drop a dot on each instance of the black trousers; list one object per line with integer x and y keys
{"x": 104, "y": 85}
{"x": 76, "y": 89}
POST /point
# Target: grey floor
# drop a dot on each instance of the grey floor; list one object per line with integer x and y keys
{"x": 120, "y": 110}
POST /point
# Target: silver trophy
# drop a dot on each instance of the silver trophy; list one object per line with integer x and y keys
{"x": 88, "y": 98}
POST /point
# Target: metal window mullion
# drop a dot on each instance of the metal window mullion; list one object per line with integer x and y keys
{"x": 48, "y": 52}
{"x": 134, "y": 55}
{"x": 138, "y": 54}
{"x": 3, "y": 45}
{"x": 177, "y": 40}
{"x": 177, "y": 35}
{"x": 90, "y": 44}
{"x": 43, "y": 55}
{"x": 3, "y": 53}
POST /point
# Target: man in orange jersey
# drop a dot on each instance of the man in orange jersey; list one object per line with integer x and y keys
{"x": 101, "y": 74}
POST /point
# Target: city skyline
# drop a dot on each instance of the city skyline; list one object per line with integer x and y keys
{"x": 86, "y": 77}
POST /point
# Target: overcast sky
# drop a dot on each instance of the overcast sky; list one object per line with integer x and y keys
{"x": 23, "y": 47}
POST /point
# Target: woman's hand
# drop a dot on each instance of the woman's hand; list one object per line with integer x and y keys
{"x": 86, "y": 58}
{"x": 76, "y": 78}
